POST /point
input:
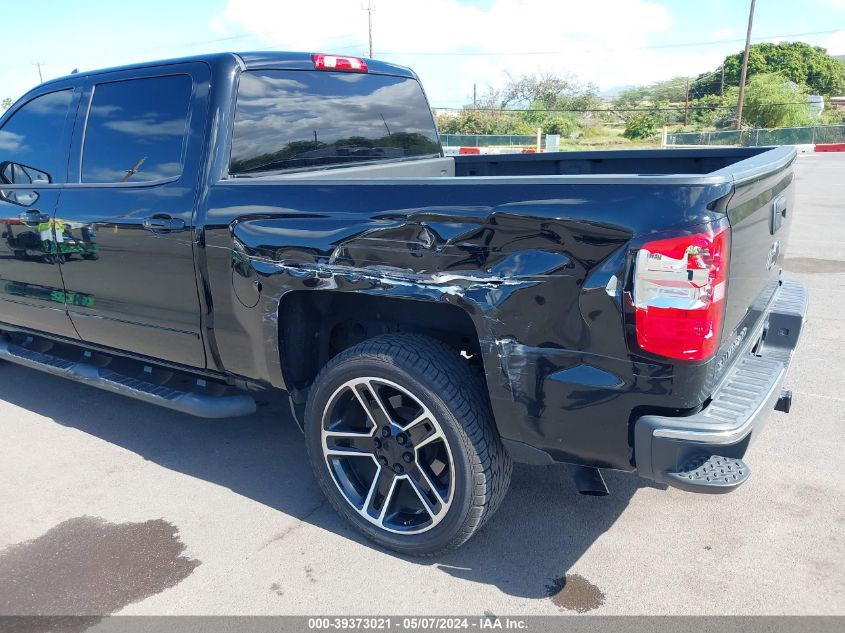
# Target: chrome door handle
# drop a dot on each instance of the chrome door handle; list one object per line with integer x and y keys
{"x": 163, "y": 224}
{"x": 33, "y": 217}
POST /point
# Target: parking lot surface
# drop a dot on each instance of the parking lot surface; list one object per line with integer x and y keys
{"x": 108, "y": 505}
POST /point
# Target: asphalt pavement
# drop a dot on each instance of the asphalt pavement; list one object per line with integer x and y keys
{"x": 108, "y": 505}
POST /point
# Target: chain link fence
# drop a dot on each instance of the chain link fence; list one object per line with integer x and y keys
{"x": 753, "y": 137}
{"x": 488, "y": 140}
{"x": 774, "y": 136}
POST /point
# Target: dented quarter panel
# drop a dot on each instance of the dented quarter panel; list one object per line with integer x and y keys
{"x": 529, "y": 262}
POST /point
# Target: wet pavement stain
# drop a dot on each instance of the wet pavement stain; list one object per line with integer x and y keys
{"x": 574, "y": 593}
{"x": 812, "y": 265}
{"x": 88, "y": 566}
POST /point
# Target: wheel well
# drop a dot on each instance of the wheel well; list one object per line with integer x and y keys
{"x": 315, "y": 326}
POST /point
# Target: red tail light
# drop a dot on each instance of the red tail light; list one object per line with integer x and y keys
{"x": 679, "y": 294}
{"x": 339, "y": 62}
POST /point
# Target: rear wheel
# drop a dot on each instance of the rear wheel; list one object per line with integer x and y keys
{"x": 402, "y": 442}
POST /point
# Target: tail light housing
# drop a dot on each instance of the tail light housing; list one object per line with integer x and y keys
{"x": 680, "y": 287}
{"x": 339, "y": 62}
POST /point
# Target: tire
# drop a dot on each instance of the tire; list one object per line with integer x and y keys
{"x": 421, "y": 390}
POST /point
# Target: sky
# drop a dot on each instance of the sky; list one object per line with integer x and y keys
{"x": 452, "y": 44}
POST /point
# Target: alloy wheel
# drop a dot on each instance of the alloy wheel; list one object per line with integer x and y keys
{"x": 388, "y": 455}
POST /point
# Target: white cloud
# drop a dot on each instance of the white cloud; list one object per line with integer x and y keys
{"x": 835, "y": 44}
{"x": 9, "y": 141}
{"x": 147, "y": 128}
{"x": 602, "y": 42}
{"x": 439, "y": 25}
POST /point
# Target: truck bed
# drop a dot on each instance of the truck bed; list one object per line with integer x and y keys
{"x": 648, "y": 162}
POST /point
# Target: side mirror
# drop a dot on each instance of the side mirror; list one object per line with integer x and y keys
{"x": 12, "y": 173}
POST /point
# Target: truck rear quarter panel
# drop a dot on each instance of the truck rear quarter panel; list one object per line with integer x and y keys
{"x": 529, "y": 260}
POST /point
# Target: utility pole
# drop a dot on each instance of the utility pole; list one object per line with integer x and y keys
{"x": 369, "y": 9}
{"x": 686, "y": 105}
{"x": 474, "y": 97}
{"x": 722, "y": 87}
{"x": 744, "y": 74}
{"x": 40, "y": 76}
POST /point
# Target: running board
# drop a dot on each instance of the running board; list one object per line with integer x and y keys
{"x": 191, "y": 402}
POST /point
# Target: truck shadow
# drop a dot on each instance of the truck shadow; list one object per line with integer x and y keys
{"x": 528, "y": 547}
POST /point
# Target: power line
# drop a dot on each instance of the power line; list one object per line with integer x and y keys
{"x": 610, "y": 109}
{"x": 761, "y": 38}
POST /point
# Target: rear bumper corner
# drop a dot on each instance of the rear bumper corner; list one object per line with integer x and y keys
{"x": 685, "y": 452}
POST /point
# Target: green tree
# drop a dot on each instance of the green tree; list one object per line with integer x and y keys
{"x": 471, "y": 121}
{"x": 811, "y": 67}
{"x": 5, "y": 104}
{"x": 670, "y": 91}
{"x": 631, "y": 97}
{"x": 707, "y": 110}
{"x": 560, "y": 104}
{"x": 773, "y": 101}
{"x": 546, "y": 90}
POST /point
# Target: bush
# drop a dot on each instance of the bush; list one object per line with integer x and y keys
{"x": 832, "y": 116}
{"x": 595, "y": 131}
{"x": 707, "y": 110}
{"x": 560, "y": 124}
{"x": 642, "y": 125}
{"x": 482, "y": 122}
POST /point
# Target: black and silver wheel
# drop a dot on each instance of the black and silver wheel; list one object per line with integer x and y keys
{"x": 402, "y": 442}
{"x": 387, "y": 455}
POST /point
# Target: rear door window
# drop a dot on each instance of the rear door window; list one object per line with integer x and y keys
{"x": 31, "y": 150}
{"x": 287, "y": 120}
{"x": 136, "y": 130}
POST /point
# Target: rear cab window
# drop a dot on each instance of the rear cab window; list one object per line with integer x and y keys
{"x": 302, "y": 120}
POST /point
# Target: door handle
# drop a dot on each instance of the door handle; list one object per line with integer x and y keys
{"x": 777, "y": 214}
{"x": 33, "y": 217}
{"x": 163, "y": 224}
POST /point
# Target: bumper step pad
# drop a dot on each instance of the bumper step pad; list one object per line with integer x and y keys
{"x": 713, "y": 474}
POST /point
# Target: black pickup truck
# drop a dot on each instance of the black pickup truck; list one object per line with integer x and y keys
{"x": 191, "y": 231}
